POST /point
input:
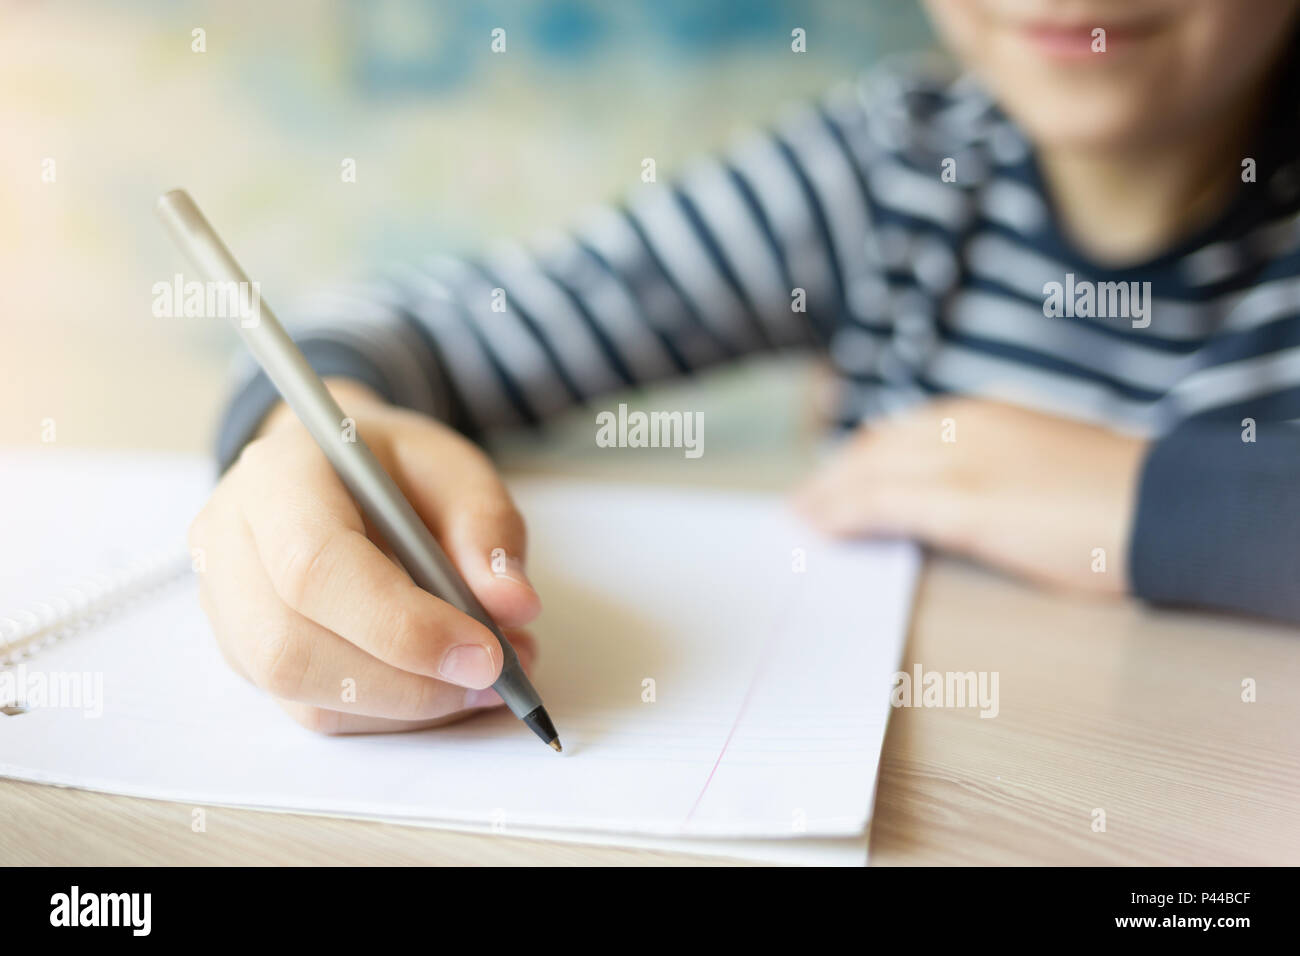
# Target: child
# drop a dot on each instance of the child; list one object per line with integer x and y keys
{"x": 1061, "y": 294}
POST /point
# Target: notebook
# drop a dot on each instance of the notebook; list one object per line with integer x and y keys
{"x": 719, "y": 674}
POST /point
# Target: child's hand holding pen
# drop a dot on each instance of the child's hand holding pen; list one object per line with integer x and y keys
{"x": 305, "y": 605}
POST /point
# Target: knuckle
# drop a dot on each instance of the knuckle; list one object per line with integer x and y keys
{"x": 401, "y": 638}
{"x": 296, "y": 564}
{"x": 254, "y": 454}
{"x": 405, "y": 631}
{"x": 424, "y": 701}
{"x": 278, "y": 662}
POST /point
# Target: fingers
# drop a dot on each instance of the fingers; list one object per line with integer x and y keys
{"x": 327, "y": 721}
{"x": 322, "y": 720}
{"x": 525, "y": 646}
{"x": 308, "y": 607}
{"x": 296, "y": 659}
{"x": 310, "y": 540}
{"x": 844, "y": 495}
{"x": 457, "y": 491}
{"x": 894, "y": 510}
{"x": 881, "y": 485}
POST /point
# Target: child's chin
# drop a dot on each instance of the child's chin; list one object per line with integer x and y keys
{"x": 1088, "y": 119}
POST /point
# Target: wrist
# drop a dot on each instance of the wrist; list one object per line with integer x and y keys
{"x": 349, "y": 393}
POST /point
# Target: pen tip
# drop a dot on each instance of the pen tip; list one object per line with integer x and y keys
{"x": 539, "y": 722}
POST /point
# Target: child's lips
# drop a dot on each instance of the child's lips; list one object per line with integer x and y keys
{"x": 1077, "y": 41}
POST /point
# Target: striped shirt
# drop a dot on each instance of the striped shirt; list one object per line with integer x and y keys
{"x": 901, "y": 226}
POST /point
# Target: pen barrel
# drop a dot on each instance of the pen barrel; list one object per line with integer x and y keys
{"x": 371, "y": 487}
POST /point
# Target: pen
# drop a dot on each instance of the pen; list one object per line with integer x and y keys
{"x": 371, "y": 487}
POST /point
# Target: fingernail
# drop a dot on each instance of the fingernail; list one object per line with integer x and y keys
{"x": 469, "y": 665}
{"x": 505, "y": 566}
{"x": 485, "y": 697}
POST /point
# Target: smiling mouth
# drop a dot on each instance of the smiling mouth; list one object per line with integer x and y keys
{"x": 1079, "y": 41}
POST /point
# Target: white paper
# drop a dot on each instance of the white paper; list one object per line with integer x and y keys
{"x": 771, "y": 653}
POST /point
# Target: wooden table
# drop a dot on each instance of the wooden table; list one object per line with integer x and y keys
{"x": 1105, "y": 706}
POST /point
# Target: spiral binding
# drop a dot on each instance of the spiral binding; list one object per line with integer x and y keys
{"x": 26, "y": 631}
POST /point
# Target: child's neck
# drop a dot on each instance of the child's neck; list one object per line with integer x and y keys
{"x": 1121, "y": 206}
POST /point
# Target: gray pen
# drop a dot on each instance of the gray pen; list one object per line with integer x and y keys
{"x": 371, "y": 487}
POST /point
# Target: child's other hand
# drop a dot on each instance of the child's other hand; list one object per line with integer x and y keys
{"x": 307, "y": 606}
{"x": 1021, "y": 490}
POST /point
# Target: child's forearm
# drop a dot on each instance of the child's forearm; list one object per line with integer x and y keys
{"x": 728, "y": 261}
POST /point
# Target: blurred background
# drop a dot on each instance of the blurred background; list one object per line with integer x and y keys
{"x": 105, "y": 106}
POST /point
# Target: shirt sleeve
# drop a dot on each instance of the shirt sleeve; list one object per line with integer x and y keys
{"x": 735, "y": 256}
{"x": 1217, "y": 522}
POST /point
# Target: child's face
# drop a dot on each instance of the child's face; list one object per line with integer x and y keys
{"x": 1168, "y": 65}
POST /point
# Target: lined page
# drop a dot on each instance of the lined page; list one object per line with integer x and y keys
{"x": 714, "y": 668}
